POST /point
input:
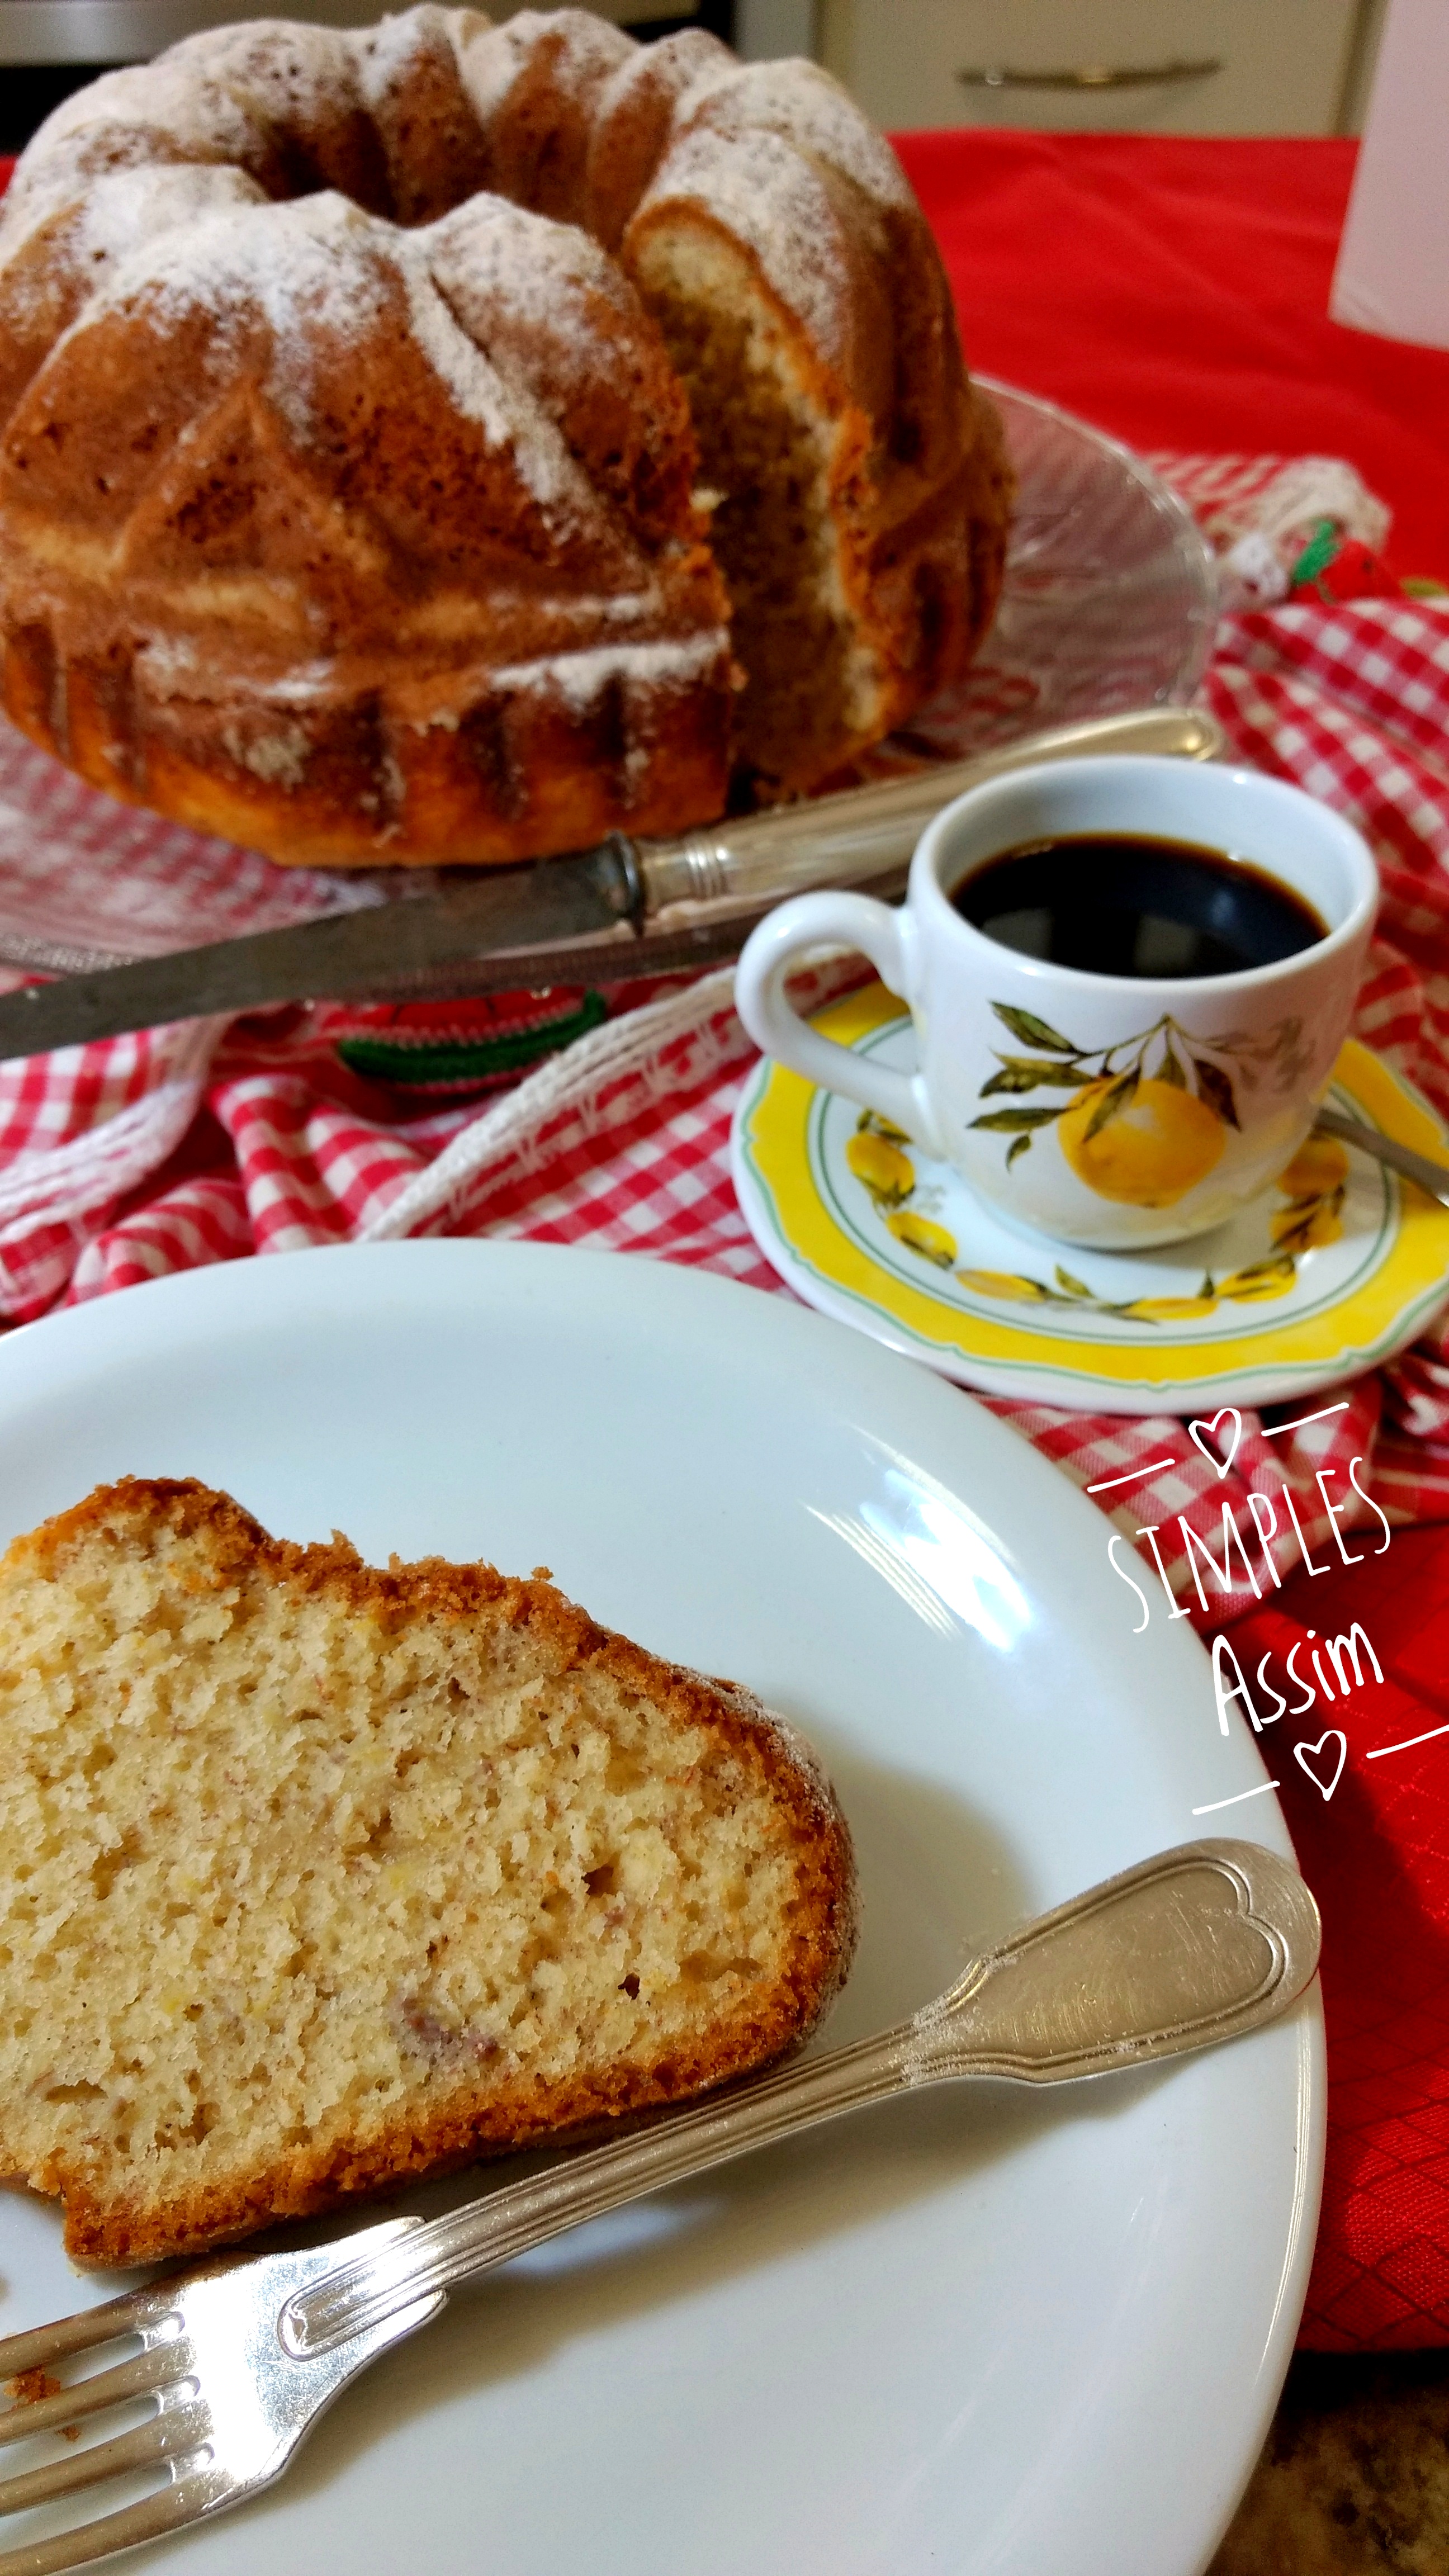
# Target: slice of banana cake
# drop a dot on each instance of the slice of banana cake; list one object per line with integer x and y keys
{"x": 316, "y": 1877}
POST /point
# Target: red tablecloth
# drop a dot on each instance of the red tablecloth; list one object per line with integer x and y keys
{"x": 1176, "y": 293}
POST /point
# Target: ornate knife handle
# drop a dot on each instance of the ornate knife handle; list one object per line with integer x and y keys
{"x": 851, "y": 838}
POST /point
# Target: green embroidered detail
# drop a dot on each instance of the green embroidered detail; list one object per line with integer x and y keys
{"x": 386, "y": 1059}
{"x": 1318, "y": 554}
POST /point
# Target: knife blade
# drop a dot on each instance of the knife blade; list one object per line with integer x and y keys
{"x": 551, "y": 920}
{"x": 396, "y": 947}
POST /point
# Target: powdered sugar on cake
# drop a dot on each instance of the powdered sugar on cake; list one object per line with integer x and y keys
{"x": 318, "y": 273}
{"x": 386, "y": 54}
{"x": 493, "y": 259}
{"x": 274, "y": 68}
{"x": 172, "y": 98}
{"x": 805, "y": 107}
{"x": 402, "y": 499}
{"x": 295, "y": 267}
{"x": 115, "y": 217}
{"x": 768, "y": 196}
{"x": 585, "y": 51}
{"x": 507, "y": 414}
{"x": 580, "y": 679}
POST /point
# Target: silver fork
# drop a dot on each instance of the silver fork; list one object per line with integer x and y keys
{"x": 239, "y": 2358}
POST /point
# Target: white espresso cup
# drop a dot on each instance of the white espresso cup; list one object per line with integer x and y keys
{"x": 1114, "y": 1111}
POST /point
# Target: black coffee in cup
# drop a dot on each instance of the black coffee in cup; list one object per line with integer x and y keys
{"x": 1122, "y": 903}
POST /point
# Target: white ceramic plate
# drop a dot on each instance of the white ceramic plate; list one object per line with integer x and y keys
{"x": 982, "y": 2330}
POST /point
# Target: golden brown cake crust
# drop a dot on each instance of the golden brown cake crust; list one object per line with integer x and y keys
{"x": 314, "y": 351}
{"x": 107, "y": 2223}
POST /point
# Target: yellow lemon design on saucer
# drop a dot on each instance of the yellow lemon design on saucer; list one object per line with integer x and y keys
{"x": 1319, "y": 1167}
{"x": 878, "y": 1162}
{"x": 921, "y": 1234}
{"x": 1170, "y": 1310}
{"x": 1331, "y": 1269}
{"x": 1144, "y": 1143}
{"x": 1011, "y": 1285}
{"x": 1314, "y": 1183}
{"x": 1260, "y": 1279}
{"x": 1144, "y": 1139}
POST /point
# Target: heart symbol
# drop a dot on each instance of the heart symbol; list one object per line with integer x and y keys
{"x": 1303, "y": 1755}
{"x": 1196, "y": 1430}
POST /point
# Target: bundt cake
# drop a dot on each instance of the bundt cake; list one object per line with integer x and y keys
{"x": 318, "y": 1877}
{"x": 447, "y": 442}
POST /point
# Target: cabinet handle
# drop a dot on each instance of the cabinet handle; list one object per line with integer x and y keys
{"x": 1087, "y": 76}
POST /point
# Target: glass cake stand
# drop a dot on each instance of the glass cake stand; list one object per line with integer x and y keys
{"x": 1110, "y": 597}
{"x": 1108, "y": 604}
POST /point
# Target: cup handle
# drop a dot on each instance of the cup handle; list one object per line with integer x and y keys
{"x": 884, "y": 934}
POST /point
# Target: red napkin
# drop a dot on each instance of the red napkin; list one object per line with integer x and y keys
{"x": 1175, "y": 290}
{"x": 1370, "y": 1822}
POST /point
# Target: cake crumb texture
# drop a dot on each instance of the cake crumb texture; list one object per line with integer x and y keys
{"x": 319, "y": 1877}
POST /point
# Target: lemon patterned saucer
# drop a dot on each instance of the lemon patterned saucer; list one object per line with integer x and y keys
{"x": 1335, "y": 1268}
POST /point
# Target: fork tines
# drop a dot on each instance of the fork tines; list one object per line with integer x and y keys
{"x": 171, "y": 2436}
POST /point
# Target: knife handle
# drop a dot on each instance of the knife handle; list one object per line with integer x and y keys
{"x": 845, "y": 839}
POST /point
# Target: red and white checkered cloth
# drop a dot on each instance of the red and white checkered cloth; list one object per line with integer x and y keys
{"x": 126, "y": 1159}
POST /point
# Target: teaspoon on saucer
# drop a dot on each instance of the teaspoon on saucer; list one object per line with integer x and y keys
{"x": 1433, "y": 1177}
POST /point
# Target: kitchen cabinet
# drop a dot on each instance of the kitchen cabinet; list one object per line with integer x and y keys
{"x": 1105, "y": 66}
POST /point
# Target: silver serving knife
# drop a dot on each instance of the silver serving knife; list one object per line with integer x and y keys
{"x": 556, "y": 919}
